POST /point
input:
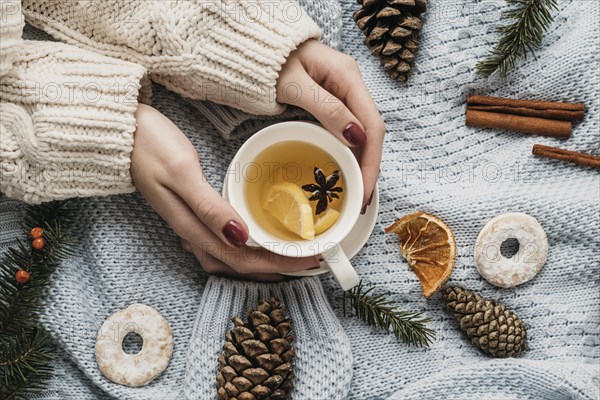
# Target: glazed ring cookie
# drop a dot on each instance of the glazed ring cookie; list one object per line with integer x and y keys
{"x": 525, "y": 263}
{"x": 157, "y": 348}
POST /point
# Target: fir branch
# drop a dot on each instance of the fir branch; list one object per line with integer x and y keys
{"x": 25, "y": 349}
{"x": 376, "y": 310}
{"x": 532, "y": 20}
{"x": 24, "y": 364}
{"x": 20, "y": 304}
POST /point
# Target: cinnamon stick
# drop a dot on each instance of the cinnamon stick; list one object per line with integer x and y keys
{"x": 519, "y": 123}
{"x": 532, "y": 112}
{"x": 566, "y": 155}
{"x": 534, "y": 108}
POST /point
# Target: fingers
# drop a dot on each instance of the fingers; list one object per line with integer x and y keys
{"x": 242, "y": 260}
{"x": 359, "y": 100}
{"x": 361, "y": 103}
{"x": 247, "y": 260}
{"x": 346, "y": 106}
{"x": 213, "y": 265}
{"x": 370, "y": 160}
{"x": 251, "y": 260}
{"x": 180, "y": 171}
{"x": 349, "y": 86}
{"x": 179, "y": 216}
{"x": 211, "y": 208}
{"x": 296, "y": 87}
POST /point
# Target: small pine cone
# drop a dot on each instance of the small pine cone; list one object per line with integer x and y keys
{"x": 391, "y": 28}
{"x": 490, "y": 326}
{"x": 256, "y": 363}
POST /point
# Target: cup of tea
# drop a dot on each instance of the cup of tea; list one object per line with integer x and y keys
{"x": 299, "y": 189}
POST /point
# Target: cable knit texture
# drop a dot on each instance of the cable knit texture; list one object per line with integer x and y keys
{"x": 67, "y": 123}
{"x": 320, "y": 342}
{"x": 229, "y": 52}
{"x": 232, "y": 123}
{"x": 431, "y": 162}
{"x": 10, "y": 32}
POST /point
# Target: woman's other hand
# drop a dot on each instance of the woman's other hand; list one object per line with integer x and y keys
{"x": 166, "y": 170}
{"x": 328, "y": 84}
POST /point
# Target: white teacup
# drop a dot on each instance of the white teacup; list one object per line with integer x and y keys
{"x": 326, "y": 243}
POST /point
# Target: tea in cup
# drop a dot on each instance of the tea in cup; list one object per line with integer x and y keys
{"x": 299, "y": 189}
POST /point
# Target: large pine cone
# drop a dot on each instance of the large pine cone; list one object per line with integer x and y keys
{"x": 257, "y": 359}
{"x": 490, "y": 326}
{"x": 391, "y": 28}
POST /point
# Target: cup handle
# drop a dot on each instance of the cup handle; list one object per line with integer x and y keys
{"x": 340, "y": 267}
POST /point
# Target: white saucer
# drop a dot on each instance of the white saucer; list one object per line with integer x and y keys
{"x": 356, "y": 239}
{"x": 351, "y": 244}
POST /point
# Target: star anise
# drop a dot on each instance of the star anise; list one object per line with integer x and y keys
{"x": 324, "y": 191}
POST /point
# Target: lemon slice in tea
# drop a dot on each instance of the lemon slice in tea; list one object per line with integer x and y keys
{"x": 326, "y": 220}
{"x": 290, "y": 206}
{"x": 428, "y": 245}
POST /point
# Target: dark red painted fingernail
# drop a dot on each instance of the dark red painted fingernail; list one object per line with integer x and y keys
{"x": 370, "y": 198}
{"x": 363, "y": 210}
{"x": 234, "y": 232}
{"x": 355, "y": 135}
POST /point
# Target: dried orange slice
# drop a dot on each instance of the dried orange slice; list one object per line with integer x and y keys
{"x": 428, "y": 245}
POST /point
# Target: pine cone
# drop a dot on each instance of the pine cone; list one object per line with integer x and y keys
{"x": 391, "y": 28}
{"x": 257, "y": 359}
{"x": 490, "y": 326}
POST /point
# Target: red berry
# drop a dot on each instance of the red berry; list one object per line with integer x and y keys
{"x": 36, "y": 232}
{"x": 38, "y": 243}
{"x": 22, "y": 276}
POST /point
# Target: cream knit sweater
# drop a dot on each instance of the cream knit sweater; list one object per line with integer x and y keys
{"x": 67, "y": 110}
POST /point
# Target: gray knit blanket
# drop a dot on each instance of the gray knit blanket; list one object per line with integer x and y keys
{"x": 126, "y": 254}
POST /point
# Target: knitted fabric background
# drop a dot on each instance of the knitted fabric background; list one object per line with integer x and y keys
{"x": 431, "y": 162}
{"x": 466, "y": 176}
{"x": 323, "y": 363}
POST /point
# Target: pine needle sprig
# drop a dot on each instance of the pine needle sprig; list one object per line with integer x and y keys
{"x": 376, "y": 310}
{"x": 24, "y": 363}
{"x": 532, "y": 18}
{"x": 25, "y": 348}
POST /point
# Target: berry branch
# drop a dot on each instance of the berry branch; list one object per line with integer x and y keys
{"x": 25, "y": 348}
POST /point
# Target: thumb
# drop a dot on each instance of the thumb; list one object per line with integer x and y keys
{"x": 213, "y": 210}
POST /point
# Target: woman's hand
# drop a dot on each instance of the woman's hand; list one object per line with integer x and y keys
{"x": 328, "y": 84}
{"x": 166, "y": 170}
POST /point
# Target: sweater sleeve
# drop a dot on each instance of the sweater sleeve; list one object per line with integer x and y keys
{"x": 227, "y": 51}
{"x": 67, "y": 122}
{"x": 11, "y": 31}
